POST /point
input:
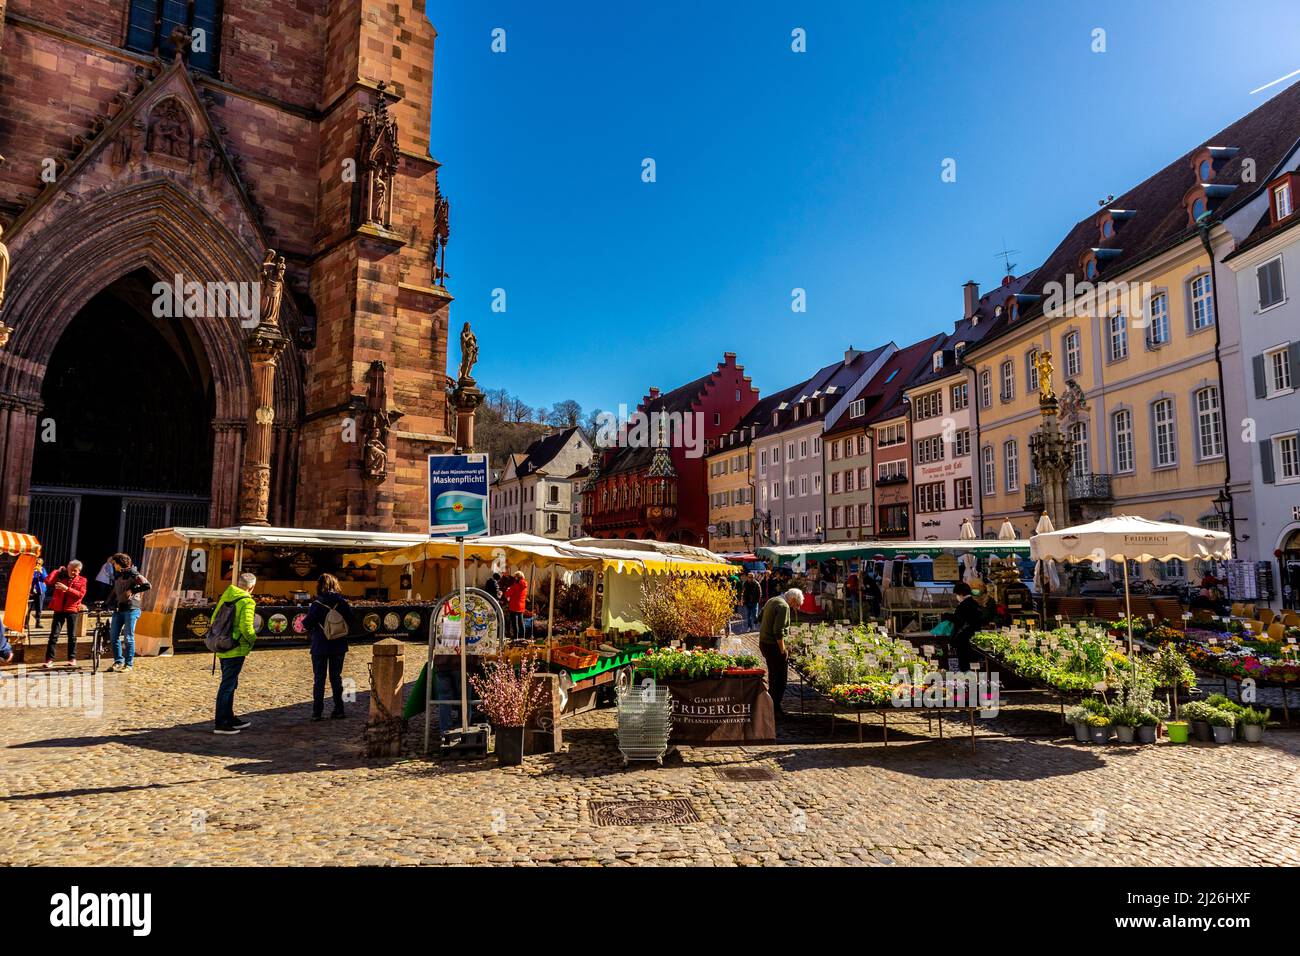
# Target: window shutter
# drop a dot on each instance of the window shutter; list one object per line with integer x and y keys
{"x": 1261, "y": 280}
{"x": 1293, "y": 352}
{"x": 1266, "y": 460}
{"x": 1261, "y": 385}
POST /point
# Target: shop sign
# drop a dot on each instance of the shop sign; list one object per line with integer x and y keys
{"x": 945, "y": 568}
{"x": 722, "y": 710}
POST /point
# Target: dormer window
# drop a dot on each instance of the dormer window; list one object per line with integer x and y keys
{"x": 958, "y": 351}
{"x": 938, "y": 361}
{"x": 1281, "y": 197}
{"x": 1205, "y": 171}
{"x": 1107, "y": 228}
{"x": 1013, "y": 309}
{"x": 1088, "y": 265}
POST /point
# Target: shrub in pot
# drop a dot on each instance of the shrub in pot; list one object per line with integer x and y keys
{"x": 510, "y": 698}
{"x": 1222, "y": 723}
{"x": 1125, "y": 719}
{"x": 1078, "y": 716}
{"x": 1197, "y": 713}
{"x": 1099, "y": 728}
{"x": 1251, "y": 723}
{"x": 1148, "y": 724}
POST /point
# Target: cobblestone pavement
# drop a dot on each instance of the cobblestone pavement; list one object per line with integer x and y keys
{"x": 146, "y": 782}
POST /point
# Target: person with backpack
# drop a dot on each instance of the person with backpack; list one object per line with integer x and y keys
{"x": 329, "y": 621}
{"x": 231, "y": 636}
{"x": 67, "y": 586}
{"x": 124, "y": 601}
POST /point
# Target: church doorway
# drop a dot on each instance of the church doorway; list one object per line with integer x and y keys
{"x": 124, "y": 438}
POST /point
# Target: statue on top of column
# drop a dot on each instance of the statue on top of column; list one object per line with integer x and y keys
{"x": 1046, "y": 394}
{"x": 468, "y": 353}
{"x": 272, "y": 288}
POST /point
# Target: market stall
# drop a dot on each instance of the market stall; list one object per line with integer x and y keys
{"x": 189, "y": 569}
{"x": 18, "y": 555}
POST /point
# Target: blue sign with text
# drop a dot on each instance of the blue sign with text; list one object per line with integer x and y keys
{"x": 458, "y": 496}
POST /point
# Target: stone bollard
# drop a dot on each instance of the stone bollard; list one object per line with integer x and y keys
{"x": 384, "y": 725}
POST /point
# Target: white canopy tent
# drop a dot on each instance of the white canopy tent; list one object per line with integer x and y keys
{"x": 1127, "y": 538}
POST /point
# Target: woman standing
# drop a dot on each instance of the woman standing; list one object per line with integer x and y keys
{"x": 328, "y": 650}
{"x": 517, "y": 600}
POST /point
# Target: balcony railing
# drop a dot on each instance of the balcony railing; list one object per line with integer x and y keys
{"x": 1089, "y": 487}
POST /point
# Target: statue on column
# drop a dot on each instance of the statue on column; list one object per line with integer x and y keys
{"x": 1043, "y": 363}
{"x": 468, "y": 353}
{"x": 272, "y": 289}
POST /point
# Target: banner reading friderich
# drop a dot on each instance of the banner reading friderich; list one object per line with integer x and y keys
{"x": 723, "y": 710}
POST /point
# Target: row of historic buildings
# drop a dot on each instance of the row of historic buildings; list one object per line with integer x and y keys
{"x": 1165, "y": 323}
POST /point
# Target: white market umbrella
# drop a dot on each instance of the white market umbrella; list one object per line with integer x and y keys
{"x": 1045, "y": 570}
{"x": 967, "y": 532}
{"x": 969, "y": 570}
{"x": 1127, "y": 538}
{"x": 1007, "y": 532}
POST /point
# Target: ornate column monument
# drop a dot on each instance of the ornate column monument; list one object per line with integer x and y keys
{"x": 264, "y": 343}
{"x": 1050, "y": 452}
{"x": 466, "y": 397}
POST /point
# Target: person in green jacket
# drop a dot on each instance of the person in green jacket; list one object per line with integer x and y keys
{"x": 777, "y": 614}
{"x": 232, "y": 661}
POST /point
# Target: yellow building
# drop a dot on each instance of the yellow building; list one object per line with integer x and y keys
{"x": 1126, "y": 305}
{"x": 731, "y": 495}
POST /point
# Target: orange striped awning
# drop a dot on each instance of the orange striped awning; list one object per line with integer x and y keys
{"x": 14, "y": 542}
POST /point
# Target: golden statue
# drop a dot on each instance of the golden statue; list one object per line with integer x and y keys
{"x": 4, "y": 267}
{"x": 1044, "y": 365}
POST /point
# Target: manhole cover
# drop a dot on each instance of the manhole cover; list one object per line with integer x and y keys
{"x": 630, "y": 813}
{"x": 746, "y": 774}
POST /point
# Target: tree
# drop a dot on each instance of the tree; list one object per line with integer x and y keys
{"x": 565, "y": 414}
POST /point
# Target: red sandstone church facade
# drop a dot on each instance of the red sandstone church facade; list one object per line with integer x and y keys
{"x": 134, "y": 154}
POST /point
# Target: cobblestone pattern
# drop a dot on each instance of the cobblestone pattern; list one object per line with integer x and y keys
{"x": 148, "y": 783}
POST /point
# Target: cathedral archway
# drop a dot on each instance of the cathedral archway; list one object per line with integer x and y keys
{"x": 101, "y": 250}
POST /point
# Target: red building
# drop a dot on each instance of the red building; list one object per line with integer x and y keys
{"x": 653, "y": 481}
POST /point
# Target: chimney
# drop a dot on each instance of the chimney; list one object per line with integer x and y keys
{"x": 850, "y": 354}
{"x": 970, "y": 293}
{"x": 654, "y": 392}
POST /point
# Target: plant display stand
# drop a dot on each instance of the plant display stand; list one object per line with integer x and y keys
{"x": 645, "y": 715}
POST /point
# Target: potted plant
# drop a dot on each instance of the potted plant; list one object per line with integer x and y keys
{"x": 1125, "y": 718}
{"x": 1198, "y": 714}
{"x": 510, "y": 697}
{"x": 1099, "y": 728}
{"x": 1078, "y": 716}
{"x": 1177, "y": 731}
{"x": 1222, "y": 723}
{"x": 1251, "y": 722}
{"x": 1148, "y": 724}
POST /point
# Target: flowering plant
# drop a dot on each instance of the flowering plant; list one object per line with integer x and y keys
{"x": 509, "y": 695}
{"x": 676, "y": 607}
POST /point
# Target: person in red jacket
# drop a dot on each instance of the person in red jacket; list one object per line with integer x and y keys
{"x": 66, "y": 587}
{"x": 517, "y": 602}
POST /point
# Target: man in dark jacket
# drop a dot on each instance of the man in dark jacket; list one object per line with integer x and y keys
{"x": 778, "y": 613}
{"x": 750, "y": 595}
{"x": 124, "y": 601}
{"x": 492, "y": 586}
{"x": 966, "y": 619}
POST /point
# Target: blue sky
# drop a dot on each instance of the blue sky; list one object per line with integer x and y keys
{"x": 779, "y": 170}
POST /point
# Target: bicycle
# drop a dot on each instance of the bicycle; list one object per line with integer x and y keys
{"x": 100, "y": 637}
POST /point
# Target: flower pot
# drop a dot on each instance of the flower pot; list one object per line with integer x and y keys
{"x": 1124, "y": 734}
{"x": 1177, "y": 731}
{"x": 1146, "y": 734}
{"x": 1222, "y": 735}
{"x": 1081, "y": 732}
{"x": 1202, "y": 730}
{"x": 1252, "y": 733}
{"x": 1099, "y": 735}
{"x": 509, "y": 746}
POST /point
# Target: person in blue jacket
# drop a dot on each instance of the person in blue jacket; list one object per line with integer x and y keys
{"x": 327, "y": 655}
{"x": 37, "y": 603}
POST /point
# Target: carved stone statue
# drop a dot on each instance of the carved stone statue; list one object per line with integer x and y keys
{"x": 468, "y": 353}
{"x": 376, "y": 458}
{"x": 272, "y": 288}
{"x": 170, "y": 131}
{"x": 1044, "y": 365}
{"x": 379, "y": 163}
{"x": 4, "y": 267}
{"x": 441, "y": 233}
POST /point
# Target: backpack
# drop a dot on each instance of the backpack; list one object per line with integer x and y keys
{"x": 334, "y": 626}
{"x": 221, "y": 632}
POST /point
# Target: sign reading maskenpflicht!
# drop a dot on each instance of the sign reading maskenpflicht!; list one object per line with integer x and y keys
{"x": 458, "y": 495}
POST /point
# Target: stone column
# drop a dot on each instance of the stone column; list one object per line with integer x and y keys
{"x": 466, "y": 398}
{"x": 1052, "y": 456}
{"x": 255, "y": 485}
{"x": 384, "y": 725}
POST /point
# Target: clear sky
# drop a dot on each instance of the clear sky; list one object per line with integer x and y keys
{"x": 779, "y": 170}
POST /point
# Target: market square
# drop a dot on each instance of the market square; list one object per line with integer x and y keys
{"x": 711, "y": 484}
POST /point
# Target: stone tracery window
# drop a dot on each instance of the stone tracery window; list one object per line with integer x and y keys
{"x": 151, "y": 22}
